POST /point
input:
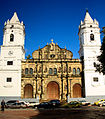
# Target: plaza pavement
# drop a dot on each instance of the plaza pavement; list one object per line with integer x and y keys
{"x": 93, "y": 112}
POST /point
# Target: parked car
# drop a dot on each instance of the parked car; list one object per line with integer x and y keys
{"x": 17, "y": 105}
{"x": 54, "y": 103}
{"x": 100, "y": 101}
{"x": 84, "y": 102}
{"x": 44, "y": 105}
{"x": 75, "y": 104}
{"x": 33, "y": 104}
{"x": 25, "y": 103}
{"x": 10, "y": 102}
{"x": 72, "y": 104}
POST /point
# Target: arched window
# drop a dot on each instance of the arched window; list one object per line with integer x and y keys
{"x": 55, "y": 71}
{"x": 26, "y": 70}
{"x": 50, "y": 71}
{"x": 65, "y": 69}
{"x": 59, "y": 70}
{"x": 11, "y": 37}
{"x": 31, "y": 71}
{"x": 74, "y": 71}
{"x": 92, "y": 37}
{"x": 40, "y": 69}
{"x": 45, "y": 70}
{"x": 78, "y": 71}
{"x": 69, "y": 69}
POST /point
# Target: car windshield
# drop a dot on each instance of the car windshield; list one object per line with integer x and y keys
{"x": 11, "y": 101}
{"x": 17, "y": 104}
{"x": 82, "y": 101}
{"x": 101, "y": 100}
{"x": 32, "y": 102}
{"x": 73, "y": 102}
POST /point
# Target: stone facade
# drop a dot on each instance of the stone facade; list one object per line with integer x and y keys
{"x": 51, "y": 74}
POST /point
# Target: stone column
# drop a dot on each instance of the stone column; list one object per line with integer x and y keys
{"x": 67, "y": 80}
{"x": 62, "y": 95}
{"x": 67, "y": 87}
{"x": 36, "y": 89}
{"x": 62, "y": 88}
{"x": 41, "y": 95}
{"x": 70, "y": 88}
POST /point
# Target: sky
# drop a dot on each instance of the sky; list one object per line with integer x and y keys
{"x": 51, "y": 19}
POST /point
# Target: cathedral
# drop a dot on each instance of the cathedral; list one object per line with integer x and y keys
{"x": 51, "y": 73}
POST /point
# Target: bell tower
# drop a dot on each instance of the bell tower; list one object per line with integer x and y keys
{"x": 12, "y": 53}
{"x": 90, "y": 43}
{"x": 89, "y": 35}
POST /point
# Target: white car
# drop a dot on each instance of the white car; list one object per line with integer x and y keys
{"x": 84, "y": 102}
{"x": 101, "y": 103}
{"x": 33, "y": 104}
{"x": 24, "y": 102}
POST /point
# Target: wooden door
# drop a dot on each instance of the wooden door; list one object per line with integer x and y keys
{"x": 52, "y": 90}
{"x": 28, "y": 91}
{"x": 77, "y": 91}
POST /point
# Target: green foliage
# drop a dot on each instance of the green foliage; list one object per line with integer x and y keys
{"x": 28, "y": 57}
{"x": 101, "y": 67}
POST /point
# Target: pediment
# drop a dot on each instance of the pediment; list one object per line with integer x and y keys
{"x": 52, "y": 51}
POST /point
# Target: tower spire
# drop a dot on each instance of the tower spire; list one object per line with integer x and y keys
{"x": 14, "y": 19}
{"x": 88, "y": 18}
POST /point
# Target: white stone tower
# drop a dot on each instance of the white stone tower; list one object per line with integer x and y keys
{"x": 12, "y": 52}
{"x": 90, "y": 43}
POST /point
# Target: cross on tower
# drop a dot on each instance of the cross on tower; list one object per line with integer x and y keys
{"x": 52, "y": 40}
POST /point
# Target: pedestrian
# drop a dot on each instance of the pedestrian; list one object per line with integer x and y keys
{"x": 2, "y": 105}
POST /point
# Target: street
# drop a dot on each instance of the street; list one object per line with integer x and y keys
{"x": 93, "y": 112}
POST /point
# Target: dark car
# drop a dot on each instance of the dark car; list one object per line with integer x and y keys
{"x": 43, "y": 105}
{"x": 10, "y": 102}
{"x": 54, "y": 103}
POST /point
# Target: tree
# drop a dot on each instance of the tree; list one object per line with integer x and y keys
{"x": 28, "y": 57}
{"x": 101, "y": 67}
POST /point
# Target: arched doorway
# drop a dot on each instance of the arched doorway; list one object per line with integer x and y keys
{"x": 77, "y": 93}
{"x": 28, "y": 91}
{"x": 52, "y": 90}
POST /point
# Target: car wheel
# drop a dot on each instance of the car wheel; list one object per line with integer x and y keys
{"x": 100, "y": 105}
